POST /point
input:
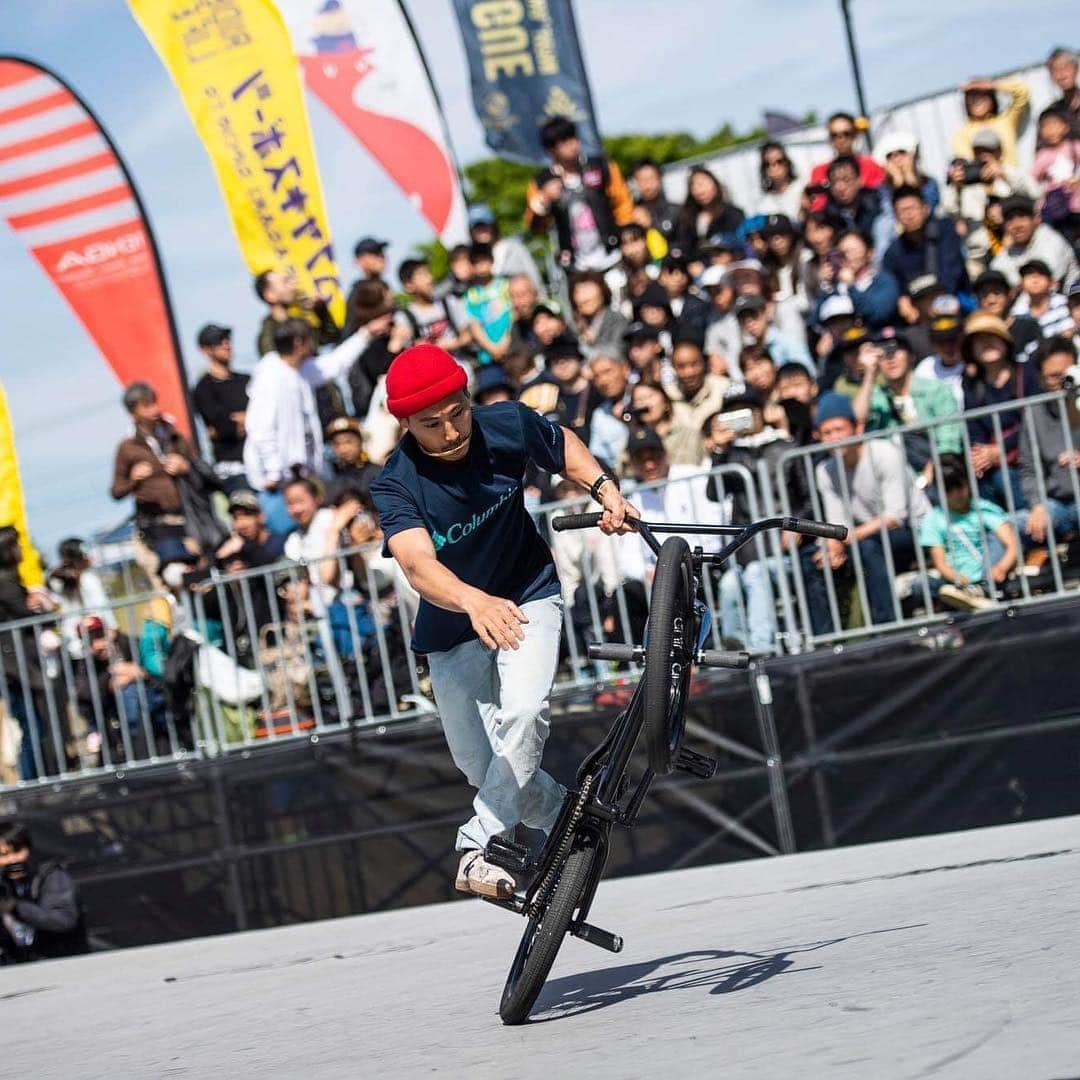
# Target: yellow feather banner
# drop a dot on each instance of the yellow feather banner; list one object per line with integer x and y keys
{"x": 12, "y": 506}
{"x": 240, "y": 81}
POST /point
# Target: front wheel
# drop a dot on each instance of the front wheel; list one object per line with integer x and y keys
{"x": 669, "y": 652}
{"x": 543, "y": 936}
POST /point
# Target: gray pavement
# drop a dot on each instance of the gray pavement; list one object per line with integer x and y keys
{"x": 948, "y": 956}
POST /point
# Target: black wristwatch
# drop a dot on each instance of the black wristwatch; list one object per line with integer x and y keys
{"x": 599, "y": 482}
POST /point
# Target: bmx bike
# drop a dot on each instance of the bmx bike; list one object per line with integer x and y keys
{"x": 560, "y": 882}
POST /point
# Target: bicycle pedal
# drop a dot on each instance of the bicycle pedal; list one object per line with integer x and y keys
{"x": 696, "y": 764}
{"x": 507, "y": 855}
{"x": 603, "y": 939}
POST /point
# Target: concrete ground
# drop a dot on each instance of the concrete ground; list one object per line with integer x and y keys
{"x": 948, "y": 956}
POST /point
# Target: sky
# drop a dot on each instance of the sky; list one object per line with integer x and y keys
{"x": 654, "y": 66}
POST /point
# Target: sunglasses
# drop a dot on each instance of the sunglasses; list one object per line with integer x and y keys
{"x": 774, "y": 161}
{"x": 843, "y": 133}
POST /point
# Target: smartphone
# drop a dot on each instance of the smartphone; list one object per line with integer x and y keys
{"x": 738, "y": 420}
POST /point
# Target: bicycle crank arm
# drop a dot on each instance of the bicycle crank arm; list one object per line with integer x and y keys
{"x": 603, "y": 939}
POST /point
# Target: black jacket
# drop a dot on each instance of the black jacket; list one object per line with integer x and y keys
{"x": 50, "y": 905}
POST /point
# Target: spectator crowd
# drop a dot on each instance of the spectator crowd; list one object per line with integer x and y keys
{"x": 674, "y": 339}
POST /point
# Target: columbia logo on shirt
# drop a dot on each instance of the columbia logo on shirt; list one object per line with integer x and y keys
{"x": 460, "y": 530}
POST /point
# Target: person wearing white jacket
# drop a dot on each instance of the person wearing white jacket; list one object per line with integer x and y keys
{"x": 283, "y": 429}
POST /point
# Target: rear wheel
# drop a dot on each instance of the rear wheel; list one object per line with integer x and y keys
{"x": 669, "y": 653}
{"x": 543, "y": 936}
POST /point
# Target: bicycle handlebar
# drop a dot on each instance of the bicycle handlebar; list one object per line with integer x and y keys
{"x": 823, "y": 529}
{"x": 575, "y": 521}
{"x": 815, "y": 528}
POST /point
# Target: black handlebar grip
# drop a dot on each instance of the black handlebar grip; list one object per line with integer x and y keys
{"x": 575, "y": 521}
{"x": 816, "y": 528}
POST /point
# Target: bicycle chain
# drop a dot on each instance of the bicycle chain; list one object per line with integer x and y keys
{"x": 537, "y": 906}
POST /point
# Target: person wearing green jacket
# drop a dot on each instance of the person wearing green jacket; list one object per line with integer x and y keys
{"x": 891, "y": 396}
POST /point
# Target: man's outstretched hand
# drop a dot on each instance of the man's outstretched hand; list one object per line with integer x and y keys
{"x": 497, "y": 622}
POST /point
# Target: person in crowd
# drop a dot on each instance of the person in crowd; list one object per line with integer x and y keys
{"x": 278, "y": 290}
{"x": 220, "y": 398}
{"x": 981, "y": 106}
{"x": 843, "y": 136}
{"x": 283, "y": 429}
{"x": 492, "y": 384}
{"x": 795, "y": 391}
{"x": 251, "y": 541}
{"x": 585, "y": 198}
{"x": 609, "y": 431}
{"x": 971, "y": 542}
{"x": 649, "y": 196}
{"x": 21, "y": 662}
{"x": 1056, "y": 170}
{"x": 429, "y": 317}
{"x": 695, "y": 386}
{"x": 747, "y": 599}
{"x": 880, "y": 504}
{"x": 634, "y": 270}
{"x": 898, "y": 152}
{"x": 570, "y": 399}
{"x": 754, "y": 314}
{"x": 487, "y": 307}
{"x": 892, "y": 395}
{"x": 820, "y": 231}
{"x": 682, "y": 498}
{"x": 653, "y": 308}
{"x": 522, "y": 367}
{"x": 857, "y": 206}
{"x": 993, "y": 377}
{"x": 386, "y": 332}
{"x": 782, "y": 274}
{"x": 946, "y": 362}
{"x": 926, "y": 245}
{"x": 759, "y": 370}
{"x": 705, "y": 212}
{"x": 77, "y": 585}
{"x": 994, "y": 295}
{"x": 41, "y": 913}
{"x": 780, "y": 194}
{"x": 369, "y": 257}
{"x": 548, "y": 323}
{"x": 599, "y": 327}
{"x": 524, "y": 296}
{"x": 1062, "y": 66}
{"x": 1039, "y": 300}
{"x": 1049, "y": 461}
{"x": 723, "y": 339}
{"x": 351, "y": 467}
{"x": 456, "y": 283}
{"x": 842, "y": 372}
{"x": 511, "y": 256}
{"x": 873, "y": 290}
{"x": 315, "y": 539}
{"x": 1027, "y": 238}
{"x": 648, "y": 359}
{"x": 974, "y": 194}
{"x": 651, "y": 407}
{"x": 689, "y": 306}
{"x": 149, "y": 464}
{"x": 1073, "y": 300}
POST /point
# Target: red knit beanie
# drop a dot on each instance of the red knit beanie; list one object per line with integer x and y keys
{"x": 420, "y": 377}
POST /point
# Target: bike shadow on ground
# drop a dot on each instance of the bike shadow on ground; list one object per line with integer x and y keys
{"x": 718, "y": 971}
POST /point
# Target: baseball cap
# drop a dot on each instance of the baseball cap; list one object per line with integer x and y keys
{"x": 643, "y": 438}
{"x": 92, "y": 624}
{"x": 836, "y": 306}
{"x": 368, "y": 245}
{"x": 990, "y": 279}
{"x": 212, "y": 334}
{"x": 341, "y": 424}
{"x": 549, "y": 307}
{"x": 1036, "y": 266}
{"x": 244, "y": 500}
{"x": 986, "y": 139}
{"x": 945, "y": 317}
{"x": 1073, "y": 295}
{"x": 749, "y": 305}
{"x": 492, "y": 377}
{"x": 743, "y": 397}
{"x": 742, "y": 269}
{"x": 1017, "y": 204}
{"x": 924, "y": 283}
{"x": 891, "y": 335}
{"x": 481, "y": 214}
{"x": 832, "y": 406}
{"x": 895, "y": 140}
{"x": 564, "y": 347}
{"x": 639, "y": 331}
{"x": 779, "y": 225}
{"x": 712, "y": 277}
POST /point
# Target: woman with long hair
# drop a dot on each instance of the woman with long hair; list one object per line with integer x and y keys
{"x": 650, "y": 406}
{"x": 599, "y": 326}
{"x": 779, "y": 192}
{"x": 705, "y": 212}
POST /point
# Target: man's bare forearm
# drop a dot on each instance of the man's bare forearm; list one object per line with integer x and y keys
{"x": 581, "y": 466}
{"x": 440, "y": 586}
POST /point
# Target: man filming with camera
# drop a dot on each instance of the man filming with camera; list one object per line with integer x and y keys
{"x": 40, "y": 914}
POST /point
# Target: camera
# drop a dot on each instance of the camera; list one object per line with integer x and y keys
{"x": 1071, "y": 383}
{"x": 813, "y": 190}
{"x": 630, "y": 416}
{"x": 738, "y": 420}
{"x": 972, "y": 171}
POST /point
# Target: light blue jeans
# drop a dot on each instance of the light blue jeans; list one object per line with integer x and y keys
{"x": 494, "y": 710}
{"x": 747, "y": 604}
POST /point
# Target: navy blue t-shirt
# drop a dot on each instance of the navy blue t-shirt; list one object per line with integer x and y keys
{"x": 474, "y": 510}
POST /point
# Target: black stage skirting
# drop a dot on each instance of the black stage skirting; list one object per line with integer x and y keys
{"x": 969, "y": 724}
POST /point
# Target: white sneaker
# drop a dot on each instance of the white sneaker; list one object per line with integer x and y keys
{"x": 964, "y": 597}
{"x": 477, "y": 876}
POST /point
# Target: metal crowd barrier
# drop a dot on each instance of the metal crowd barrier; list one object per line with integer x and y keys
{"x": 286, "y": 652}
